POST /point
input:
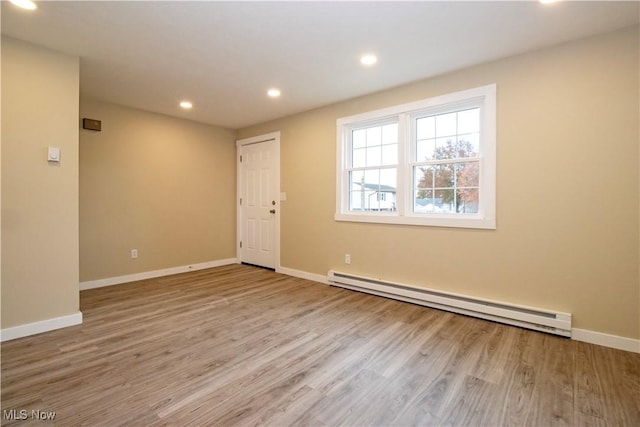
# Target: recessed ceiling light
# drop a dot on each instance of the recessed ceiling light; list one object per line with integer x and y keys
{"x": 368, "y": 59}
{"x": 25, "y": 4}
{"x": 273, "y": 92}
{"x": 186, "y": 104}
{"x": 548, "y": 1}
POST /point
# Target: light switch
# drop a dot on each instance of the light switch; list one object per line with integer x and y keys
{"x": 54, "y": 154}
{"x": 283, "y": 197}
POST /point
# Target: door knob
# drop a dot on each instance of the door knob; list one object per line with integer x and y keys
{"x": 272, "y": 211}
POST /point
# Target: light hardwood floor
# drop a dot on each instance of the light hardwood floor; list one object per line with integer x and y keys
{"x": 237, "y": 345}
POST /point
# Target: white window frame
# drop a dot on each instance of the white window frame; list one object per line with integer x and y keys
{"x": 483, "y": 97}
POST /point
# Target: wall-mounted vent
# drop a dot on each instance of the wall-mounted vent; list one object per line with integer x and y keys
{"x": 92, "y": 124}
{"x": 525, "y": 317}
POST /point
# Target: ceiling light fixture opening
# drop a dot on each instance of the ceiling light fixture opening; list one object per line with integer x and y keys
{"x": 368, "y": 59}
{"x": 186, "y": 105}
{"x": 24, "y": 4}
{"x": 273, "y": 92}
{"x": 548, "y": 1}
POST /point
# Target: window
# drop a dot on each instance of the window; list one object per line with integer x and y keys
{"x": 373, "y": 169}
{"x": 430, "y": 162}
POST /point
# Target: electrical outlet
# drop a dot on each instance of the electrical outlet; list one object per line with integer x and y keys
{"x": 134, "y": 253}
{"x": 347, "y": 258}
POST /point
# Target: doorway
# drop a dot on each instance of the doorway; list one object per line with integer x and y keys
{"x": 258, "y": 223}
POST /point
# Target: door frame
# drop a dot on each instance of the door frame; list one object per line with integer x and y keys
{"x": 273, "y": 136}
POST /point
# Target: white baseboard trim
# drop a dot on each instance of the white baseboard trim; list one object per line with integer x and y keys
{"x": 303, "y": 275}
{"x": 92, "y": 284}
{"x": 41, "y": 326}
{"x": 606, "y": 340}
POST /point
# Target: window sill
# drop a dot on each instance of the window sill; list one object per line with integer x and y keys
{"x": 457, "y": 221}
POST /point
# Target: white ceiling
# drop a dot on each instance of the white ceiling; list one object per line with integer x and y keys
{"x": 223, "y": 56}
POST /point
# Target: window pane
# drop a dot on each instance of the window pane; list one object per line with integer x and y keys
{"x": 388, "y": 185}
{"x": 356, "y": 200}
{"x": 424, "y": 150}
{"x": 426, "y": 127}
{"x": 372, "y": 179}
{"x": 445, "y": 149}
{"x": 446, "y": 124}
{"x": 374, "y": 136}
{"x": 356, "y": 178}
{"x": 373, "y": 190}
{"x": 444, "y": 201}
{"x": 457, "y": 136}
{"x": 467, "y": 174}
{"x": 468, "y": 200}
{"x": 468, "y": 145}
{"x": 359, "y": 158}
{"x": 423, "y": 201}
{"x": 374, "y": 156}
{"x": 356, "y": 189}
{"x": 388, "y": 178}
{"x": 423, "y": 177}
{"x": 359, "y": 138}
{"x": 423, "y": 189}
{"x": 443, "y": 175}
{"x": 469, "y": 121}
{"x": 390, "y": 154}
{"x": 390, "y": 134}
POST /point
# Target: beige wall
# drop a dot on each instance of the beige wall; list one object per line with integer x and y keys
{"x": 39, "y": 200}
{"x": 162, "y": 185}
{"x": 567, "y": 193}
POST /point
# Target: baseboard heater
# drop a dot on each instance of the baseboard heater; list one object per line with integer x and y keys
{"x": 525, "y": 317}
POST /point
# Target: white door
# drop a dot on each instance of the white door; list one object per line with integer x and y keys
{"x": 259, "y": 201}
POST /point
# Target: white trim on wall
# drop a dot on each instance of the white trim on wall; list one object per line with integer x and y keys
{"x": 91, "y": 284}
{"x": 41, "y": 326}
{"x": 606, "y": 340}
{"x": 303, "y": 275}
